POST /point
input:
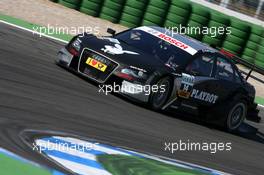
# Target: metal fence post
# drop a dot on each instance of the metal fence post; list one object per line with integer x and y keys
{"x": 259, "y": 8}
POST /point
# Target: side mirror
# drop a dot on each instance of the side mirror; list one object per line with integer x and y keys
{"x": 194, "y": 72}
{"x": 111, "y": 31}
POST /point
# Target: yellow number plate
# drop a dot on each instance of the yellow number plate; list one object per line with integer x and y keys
{"x": 96, "y": 64}
{"x": 184, "y": 94}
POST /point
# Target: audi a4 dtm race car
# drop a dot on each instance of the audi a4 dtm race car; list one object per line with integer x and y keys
{"x": 189, "y": 75}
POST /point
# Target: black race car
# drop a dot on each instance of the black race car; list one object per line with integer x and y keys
{"x": 165, "y": 70}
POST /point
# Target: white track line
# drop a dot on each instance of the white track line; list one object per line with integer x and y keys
{"x": 34, "y": 32}
{"x": 262, "y": 106}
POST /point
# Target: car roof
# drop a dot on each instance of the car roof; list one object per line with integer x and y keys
{"x": 197, "y": 45}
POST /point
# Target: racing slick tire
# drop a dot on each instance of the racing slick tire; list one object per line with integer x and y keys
{"x": 73, "y": 1}
{"x": 234, "y": 39}
{"x": 249, "y": 52}
{"x": 252, "y": 45}
{"x": 240, "y": 25}
{"x": 176, "y": 18}
{"x": 212, "y": 41}
{"x": 69, "y": 5}
{"x": 255, "y": 38}
{"x": 239, "y": 33}
{"x": 234, "y": 48}
{"x": 200, "y": 10}
{"x": 178, "y": 11}
{"x": 110, "y": 12}
{"x": 89, "y": 11}
{"x": 235, "y": 114}
{"x": 130, "y": 18}
{"x": 169, "y": 23}
{"x": 108, "y": 18}
{"x": 259, "y": 63}
{"x": 261, "y": 50}
{"x": 258, "y": 30}
{"x": 199, "y": 19}
{"x": 159, "y": 4}
{"x": 159, "y": 98}
{"x": 113, "y": 5}
{"x": 155, "y": 10}
{"x": 153, "y": 18}
{"x": 148, "y": 23}
{"x": 137, "y": 4}
{"x": 248, "y": 58}
{"x": 182, "y": 4}
{"x": 220, "y": 18}
{"x": 127, "y": 24}
{"x": 91, "y": 5}
{"x": 133, "y": 11}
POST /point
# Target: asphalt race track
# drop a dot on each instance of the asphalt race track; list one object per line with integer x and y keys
{"x": 37, "y": 94}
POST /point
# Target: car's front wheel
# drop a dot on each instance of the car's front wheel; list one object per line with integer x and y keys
{"x": 159, "y": 98}
{"x": 236, "y": 114}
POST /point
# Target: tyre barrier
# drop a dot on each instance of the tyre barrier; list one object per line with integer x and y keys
{"x": 217, "y": 21}
{"x": 178, "y": 13}
{"x": 72, "y": 4}
{"x": 246, "y": 39}
{"x": 253, "y": 46}
{"x": 112, "y": 10}
{"x": 91, "y": 7}
{"x": 260, "y": 53}
{"x": 198, "y": 19}
{"x": 133, "y": 13}
{"x": 155, "y": 12}
{"x": 236, "y": 41}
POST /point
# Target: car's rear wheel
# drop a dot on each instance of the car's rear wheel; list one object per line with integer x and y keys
{"x": 159, "y": 98}
{"x": 236, "y": 115}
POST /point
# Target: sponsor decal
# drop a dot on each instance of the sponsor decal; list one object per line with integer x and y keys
{"x": 173, "y": 41}
{"x": 169, "y": 39}
{"x": 186, "y": 85}
{"x": 96, "y": 64}
{"x": 116, "y": 50}
{"x": 100, "y": 59}
{"x": 204, "y": 96}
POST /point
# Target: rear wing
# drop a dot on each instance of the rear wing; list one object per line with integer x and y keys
{"x": 250, "y": 66}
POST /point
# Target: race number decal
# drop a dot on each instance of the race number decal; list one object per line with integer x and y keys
{"x": 186, "y": 85}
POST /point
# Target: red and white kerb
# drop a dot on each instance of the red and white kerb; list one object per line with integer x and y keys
{"x": 169, "y": 39}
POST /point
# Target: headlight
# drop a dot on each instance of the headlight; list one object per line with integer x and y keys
{"x": 76, "y": 44}
{"x": 134, "y": 73}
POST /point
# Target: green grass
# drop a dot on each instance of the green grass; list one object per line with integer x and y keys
{"x": 259, "y": 100}
{"x": 131, "y": 165}
{"x": 11, "y": 166}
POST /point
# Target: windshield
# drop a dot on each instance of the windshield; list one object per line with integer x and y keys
{"x": 169, "y": 54}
